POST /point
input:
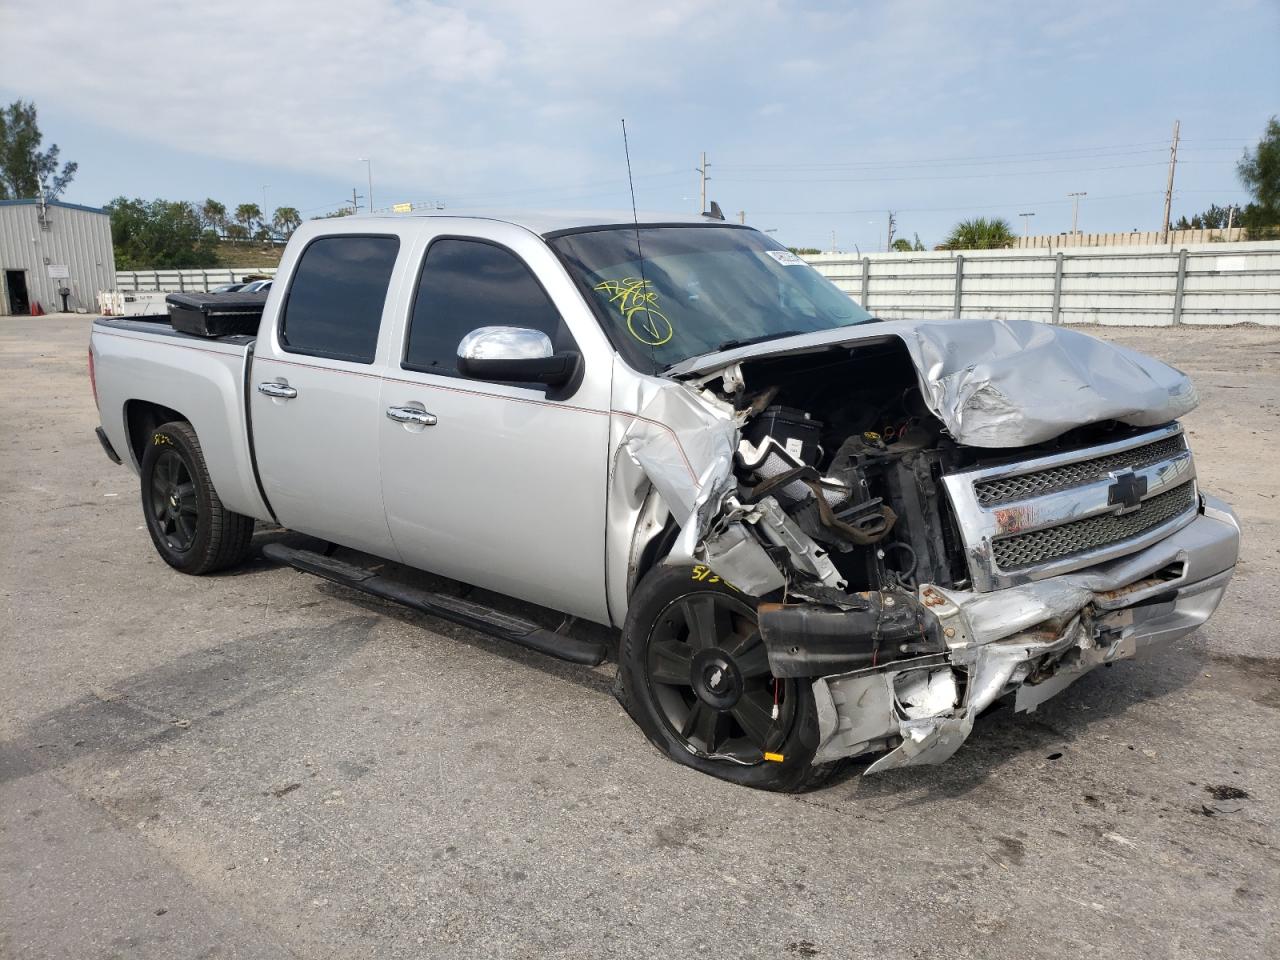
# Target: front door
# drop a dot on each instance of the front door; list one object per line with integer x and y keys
{"x": 505, "y": 488}
{"x": 315, "y": 391}
{"x": 15, "y": 285}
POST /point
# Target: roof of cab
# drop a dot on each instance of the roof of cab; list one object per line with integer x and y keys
{"x": 544, "y": 222}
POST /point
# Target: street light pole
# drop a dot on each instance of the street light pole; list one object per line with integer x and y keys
{"x": 368, "y": 165}
{"x": 1026, "y": 225}
{"x": 1075, "y": 208}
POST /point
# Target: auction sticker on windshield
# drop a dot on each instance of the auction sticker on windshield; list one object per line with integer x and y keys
{"x": 785, "y": 257}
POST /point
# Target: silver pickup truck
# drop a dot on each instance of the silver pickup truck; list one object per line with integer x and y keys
{"x": 818, "y": 535}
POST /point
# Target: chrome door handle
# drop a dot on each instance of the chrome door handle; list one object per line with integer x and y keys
{"x": 281, "y": 390}
{"x": 411, "y": 415}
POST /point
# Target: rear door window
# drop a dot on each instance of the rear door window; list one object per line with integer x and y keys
{"x": 335, "y": 300}
{"x": 466, "y": 284}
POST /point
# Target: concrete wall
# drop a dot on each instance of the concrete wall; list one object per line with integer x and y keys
{"x": 1135, "y": 238}
{"x": 1217, "y": 283}
{"x": 69, "y": 235}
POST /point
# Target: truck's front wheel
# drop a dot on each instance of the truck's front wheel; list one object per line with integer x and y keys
{"x": 192, "y": 530}
{"x": 694, "y": 674}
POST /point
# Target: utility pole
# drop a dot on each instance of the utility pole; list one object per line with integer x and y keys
{"x": 888, "y": 241}
{"x": 355, "y": 201}
{"x": 1231, "y": 219}
{"x": 1026, "y": 224}
{"x": 702, "y": 172}
{"x": 1168, "y": 190}
{"x": 368, "y": 165}
{"x": 1075, "y": 209}
{"x": 742, "y": 216}
{"x": 833, "y": 241}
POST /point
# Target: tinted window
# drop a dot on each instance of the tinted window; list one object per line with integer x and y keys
{"x": 335, "y": 299}
{"x": 467, "y": 284}
{"x": 699, "y": 288}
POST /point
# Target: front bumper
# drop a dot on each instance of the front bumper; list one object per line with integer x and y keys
{"x": 1031, "y": 640}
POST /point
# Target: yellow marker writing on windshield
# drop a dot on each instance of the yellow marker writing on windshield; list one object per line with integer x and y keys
{"x": 638, "y": 304}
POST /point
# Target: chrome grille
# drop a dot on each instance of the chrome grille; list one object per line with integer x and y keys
{"x": 1028, "y": 485}
{"x": 1061, "y": 512}
{"x": 1078, "y": 536}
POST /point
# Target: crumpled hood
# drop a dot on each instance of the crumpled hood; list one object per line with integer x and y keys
{"x": 1008, "y": 383}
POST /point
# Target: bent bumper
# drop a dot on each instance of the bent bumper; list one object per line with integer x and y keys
{"x": 1032, "y": 640}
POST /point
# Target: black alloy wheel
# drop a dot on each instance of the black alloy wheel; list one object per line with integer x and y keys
{"x": 191, "y": 528}
{"x": 693, "y": 672}
{"x": 709, "y": 674}
{"x": 175, "y": 508}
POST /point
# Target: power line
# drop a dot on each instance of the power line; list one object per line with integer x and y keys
{"x": 953, "y": 176}
{"x": 970, "y": 206}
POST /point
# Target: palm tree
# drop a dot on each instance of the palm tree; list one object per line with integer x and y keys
{"x": 214, "y": 215}
{"x": 248, "y": 215}
{"x": 286, "y": 220}
{"x": 980, "y": 234}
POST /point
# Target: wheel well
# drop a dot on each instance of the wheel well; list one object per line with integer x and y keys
{"x": 655, "y": 550}
{"x": 141, "y": 417}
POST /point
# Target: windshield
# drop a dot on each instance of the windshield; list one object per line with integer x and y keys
{"x": 698, "y": 290}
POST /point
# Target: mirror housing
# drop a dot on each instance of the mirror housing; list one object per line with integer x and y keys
{"x": 514, "y": 355}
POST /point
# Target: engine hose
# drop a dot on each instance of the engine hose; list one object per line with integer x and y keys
{"x": 861, "y": 537}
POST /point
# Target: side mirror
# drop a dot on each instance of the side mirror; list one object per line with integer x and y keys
{"x": 514, "y": 355}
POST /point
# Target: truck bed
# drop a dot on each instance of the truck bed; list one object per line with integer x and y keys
{"x": 147, "y": 373}
{"x": 159, "y": 325}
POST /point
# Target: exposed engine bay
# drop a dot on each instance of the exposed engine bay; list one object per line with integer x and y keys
{"x": 909, "y": 566}
{"x": 839, "y": 471}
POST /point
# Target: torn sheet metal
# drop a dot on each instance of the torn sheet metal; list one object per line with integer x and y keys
{"x": 1007, "y": 383}
{"x": 666, "y": 436}
{"x": 739, "y": 558}
{"x": 1013, "y": 383}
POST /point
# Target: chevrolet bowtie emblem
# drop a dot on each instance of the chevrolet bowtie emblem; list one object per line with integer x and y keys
{"x": 1127, "y": 492}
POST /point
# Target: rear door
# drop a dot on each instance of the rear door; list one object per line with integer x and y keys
{"x": 315, "y": 389}
{"x": 506, "y": 488}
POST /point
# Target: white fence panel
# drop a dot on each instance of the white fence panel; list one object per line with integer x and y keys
{"x": 193, "y": 281}
{"x": 1217, "y": 283}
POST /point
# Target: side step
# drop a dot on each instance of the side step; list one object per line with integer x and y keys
{"x": 464, "y": 612}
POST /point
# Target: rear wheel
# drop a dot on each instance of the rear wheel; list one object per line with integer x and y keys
{"x": 191, "y": 529}
{"x": 694, "y": 674}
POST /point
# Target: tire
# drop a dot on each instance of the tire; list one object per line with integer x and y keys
{"x": 191, "y": 529}
{"x": 711, "y": 706}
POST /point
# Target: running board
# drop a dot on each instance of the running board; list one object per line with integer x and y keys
{"x": 484, "y": 619}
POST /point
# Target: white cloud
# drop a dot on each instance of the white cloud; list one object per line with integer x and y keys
{"x": 441, "y": 94}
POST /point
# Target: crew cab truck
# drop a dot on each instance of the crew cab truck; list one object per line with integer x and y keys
{"x": 818, "y": 535}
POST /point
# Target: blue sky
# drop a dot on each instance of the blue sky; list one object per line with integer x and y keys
{"x": 816, "y": 116}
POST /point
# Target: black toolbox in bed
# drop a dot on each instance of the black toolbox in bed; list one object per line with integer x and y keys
{"x": 215, "y": 314}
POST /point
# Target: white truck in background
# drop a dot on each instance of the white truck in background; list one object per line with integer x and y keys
{"x": 817, "y": 535}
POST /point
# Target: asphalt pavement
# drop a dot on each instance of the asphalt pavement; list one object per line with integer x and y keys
{"x": 261, "y": 764}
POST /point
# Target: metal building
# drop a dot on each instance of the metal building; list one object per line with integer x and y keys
{"x": 49, "y": 247}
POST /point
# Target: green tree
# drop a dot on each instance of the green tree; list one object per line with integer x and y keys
{"x": 24, "y": 167}
{"x": 249, "y": 216}
{"x": 980, "y": 233}
{"x": 159, "y": 234}
{"x": 1260, "y": 172}
{"x": 1215, "y": 218}
{"x": 286, "y": 220}
{"x": 804, "y": 251}
{"x": 902, "y": 245}
{"x": 214, "y": 215}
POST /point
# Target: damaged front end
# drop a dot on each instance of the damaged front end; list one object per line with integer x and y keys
{"x": 920, "y": 547}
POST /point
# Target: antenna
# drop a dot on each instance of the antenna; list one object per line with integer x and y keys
{"x": 635, "y": 219}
